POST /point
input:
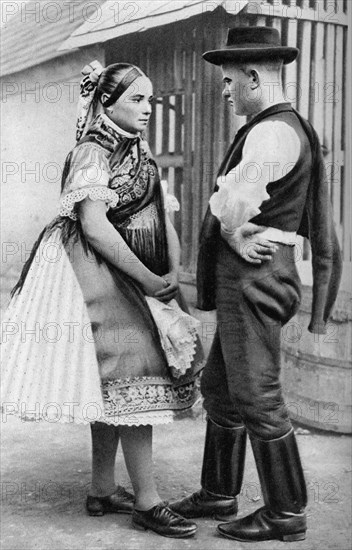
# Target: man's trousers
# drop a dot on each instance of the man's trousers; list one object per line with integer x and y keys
{"x": 240, "y": 383}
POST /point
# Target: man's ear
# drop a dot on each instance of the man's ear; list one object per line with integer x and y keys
{"x": 254, "y": 79}
{"x": 104, "y": 97}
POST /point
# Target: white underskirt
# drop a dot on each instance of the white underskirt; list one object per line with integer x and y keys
{"x": 49, "y": 367}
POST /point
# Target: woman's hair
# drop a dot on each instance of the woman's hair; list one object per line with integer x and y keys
{"x": 112, "y": 76}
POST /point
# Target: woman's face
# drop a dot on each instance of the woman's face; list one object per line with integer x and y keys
{"x": 132, "y": 110}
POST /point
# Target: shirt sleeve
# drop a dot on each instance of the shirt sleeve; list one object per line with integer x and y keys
{"x": 88, "y": 176}
{"x": 271, "y": 150}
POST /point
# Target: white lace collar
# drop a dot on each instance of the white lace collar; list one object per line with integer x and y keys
{"x": 117, "y": 128}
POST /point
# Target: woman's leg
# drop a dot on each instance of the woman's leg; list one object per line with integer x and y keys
{"x": 105, "y": 439}
{"x": 137, "y": 449}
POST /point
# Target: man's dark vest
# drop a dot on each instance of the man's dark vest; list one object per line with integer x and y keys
{"x": 292, "y": 206}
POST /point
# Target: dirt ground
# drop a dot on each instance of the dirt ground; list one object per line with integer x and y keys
{"x": 46, "y": 473}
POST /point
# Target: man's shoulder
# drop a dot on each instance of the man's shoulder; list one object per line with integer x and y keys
{"x": 271, "y": 136}
{"x": 272, "y": 127}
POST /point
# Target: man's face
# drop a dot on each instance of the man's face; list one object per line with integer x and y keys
{"x": 237, "y": 89}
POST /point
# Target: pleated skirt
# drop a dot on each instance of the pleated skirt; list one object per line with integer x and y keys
{"x": 79, "y": 346}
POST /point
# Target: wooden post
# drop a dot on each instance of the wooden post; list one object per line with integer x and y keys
{"x": 177, "y": 64}
{"x": 211, "y": 135}
{"x": 339, "y": 6}
{"x": 179, "y": 121}
{"x": 304, "y": 68}
{"x": 277, "y": 23}
{"x": 166, "y": 131}
{"x": 219, "y": 111}
{"x": 187, "y": 198}
{"x": 328, "y": 97}
{"x": 200, "y": 105}
{"x": 317, "y": 93}
{"x": 305, "y": 4}
{"x": 337, "y": 130}
{"x": 347, "y": 198}
{"x": 291, "y": 69}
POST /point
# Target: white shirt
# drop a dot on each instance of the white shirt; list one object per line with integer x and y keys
{"x": 271, "y": 150}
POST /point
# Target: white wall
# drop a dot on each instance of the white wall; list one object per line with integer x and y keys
{"x": 37, "y": 132}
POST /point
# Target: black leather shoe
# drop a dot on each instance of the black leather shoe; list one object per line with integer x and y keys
{"x": 163, "y": 521}
{"x": 264, "y": 524}
{"x": 120, "y": 502}
{"x": 202, "y": 504}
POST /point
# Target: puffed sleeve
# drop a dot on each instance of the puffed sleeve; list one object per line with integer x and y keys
{"x": 88, "y": 176}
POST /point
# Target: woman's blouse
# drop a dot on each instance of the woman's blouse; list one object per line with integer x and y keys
{"x": 90, "y": 173}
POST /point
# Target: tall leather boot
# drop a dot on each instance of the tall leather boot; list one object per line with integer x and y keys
{"x": 284, "y": 492}
{"x": 222, "y": 475}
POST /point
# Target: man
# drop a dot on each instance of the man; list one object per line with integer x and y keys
{"x": 271, "y": 186}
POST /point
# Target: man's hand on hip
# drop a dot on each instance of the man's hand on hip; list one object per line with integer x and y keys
{"x": 248, "y": 243}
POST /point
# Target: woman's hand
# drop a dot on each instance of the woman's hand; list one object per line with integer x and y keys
{"x": 248, "y": 243}
{"x": 170, "y": 291}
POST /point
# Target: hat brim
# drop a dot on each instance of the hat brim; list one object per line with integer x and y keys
{"x": 219, "y": 57}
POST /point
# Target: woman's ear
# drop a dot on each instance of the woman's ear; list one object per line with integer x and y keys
{"x": 254, "y": 79}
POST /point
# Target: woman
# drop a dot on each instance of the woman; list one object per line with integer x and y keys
{"x": 98, "y": 356}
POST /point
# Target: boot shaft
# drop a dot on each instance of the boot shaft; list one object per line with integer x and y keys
{"x": 223, "y": 462}
{"x": 280, "y": 473}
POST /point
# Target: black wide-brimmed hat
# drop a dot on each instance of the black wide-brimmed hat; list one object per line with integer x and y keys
{"x": 252, "y": 43}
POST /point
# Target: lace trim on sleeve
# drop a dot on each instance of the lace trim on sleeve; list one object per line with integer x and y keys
{"x": 99, "y": 193}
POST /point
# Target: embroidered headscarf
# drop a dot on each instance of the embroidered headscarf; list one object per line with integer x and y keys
{"x": 88, "y": 87}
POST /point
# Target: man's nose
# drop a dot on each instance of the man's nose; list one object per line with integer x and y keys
{"x": 226, "y": 92}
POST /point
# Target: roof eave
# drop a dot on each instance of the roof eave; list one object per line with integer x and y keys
{"x": 79, "y": 39}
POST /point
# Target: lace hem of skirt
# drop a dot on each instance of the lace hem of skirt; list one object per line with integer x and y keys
{"x": 139, "y": 419}
{"x": 143, "y": 395}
